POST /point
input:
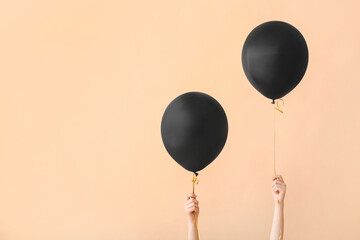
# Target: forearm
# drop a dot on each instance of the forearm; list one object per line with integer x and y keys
{"x": 192, "y": 231}
{"x": 277, "y": 229}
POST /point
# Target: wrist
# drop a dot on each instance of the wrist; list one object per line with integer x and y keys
{"x": 192, "y": 220}
{"x": 279, "y": 204}
{"x": 191, "y": 223}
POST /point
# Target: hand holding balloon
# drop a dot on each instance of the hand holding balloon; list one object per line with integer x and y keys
{"x": 192, "y": 212}
{"x": 278, "y": 189}
{"x": 191, "y": 207}
{"x": 278, "y": 192}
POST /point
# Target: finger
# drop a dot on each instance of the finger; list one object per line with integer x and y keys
{"x": 195, "y": 201}
{"x": 275, "y": 177}
{"x": 278, "y": 190}
{"x": 191, "y": 200}
{"x": 191, "y": 209}
{"x": 279, "y": 186}
{"x": 279, "y": 177}
{"x": 191, "y": 205}
{"x": 275, "y": 189}
{"x": 190, "y": 195}
{"x": 277, "y": 182}
{"x": 273, "y": 183}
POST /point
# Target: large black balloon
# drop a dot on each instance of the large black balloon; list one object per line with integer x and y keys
{"x": 275, "y": 58}
{"x": 194, "y": 129}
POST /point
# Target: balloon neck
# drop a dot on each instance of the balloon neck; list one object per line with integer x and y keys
{"x": 273, "y": 101}
{"x": 196, "y": 174}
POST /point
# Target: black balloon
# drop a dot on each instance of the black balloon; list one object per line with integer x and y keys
{"x": 275, "y": 58}
{"x": 194, "y": 130}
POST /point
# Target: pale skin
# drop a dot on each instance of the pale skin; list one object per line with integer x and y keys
{"x": 192, "y": 212}
{"x": 277, "y": 230}
{"x": 278, "y": 192}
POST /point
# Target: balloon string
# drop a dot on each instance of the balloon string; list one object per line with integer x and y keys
{"x": 277, "y": 107}
{"x": 195, "y": 180}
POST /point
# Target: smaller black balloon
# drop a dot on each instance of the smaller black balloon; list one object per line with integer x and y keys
{"x": 194, "y": 130}
{"x": 275, "y": 58}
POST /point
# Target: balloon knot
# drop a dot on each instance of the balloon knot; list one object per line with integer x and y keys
{"x": 277, "y": 107}
{"x": 194, "y": 179}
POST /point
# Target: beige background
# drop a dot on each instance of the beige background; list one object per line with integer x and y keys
{"x": 83, "y": 88}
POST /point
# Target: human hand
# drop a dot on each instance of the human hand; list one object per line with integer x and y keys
{"x": 191, "y": 207}
{"x": 278, "y": 189}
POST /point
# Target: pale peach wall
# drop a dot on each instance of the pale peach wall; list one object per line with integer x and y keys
{"x": 83, "y": 88}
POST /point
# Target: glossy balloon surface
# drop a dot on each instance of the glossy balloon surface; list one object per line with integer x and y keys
{"x": 194, "y": 130}
{"x": 275, "y": 58}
